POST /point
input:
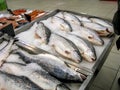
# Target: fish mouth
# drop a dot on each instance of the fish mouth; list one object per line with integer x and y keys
{"x": 83, "y": 76}
{"x": 89, "y": 58}
{"x": 104, "y": 33}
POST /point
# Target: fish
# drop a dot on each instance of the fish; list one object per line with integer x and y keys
{"x": 36, "y": 74}
{"x": 42, "y": 33}
{"x": 101, "y": 30}
{"x": 53, "y": 65}
{"x": 14, "y": 58}
{"x": 57, "y": 24}
{"x": 5, "y": 51}
{"x": 27, "y": 36}
{"x": 86, "y": 49}
{"x": 83, "y": 18}
{"x": 83, "y": 32}
{"x": 103, "y": 23}
{"x": 71, "y": 18}
{"x": 12, "y": 82}
{"x": 65, "y": 48}
{"x": 89, "y": 35}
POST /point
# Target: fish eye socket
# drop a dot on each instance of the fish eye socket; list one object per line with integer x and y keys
{"x": 90, "y": 37}
{"x": 67, "y": 52}
{"x": 107, "y": 30}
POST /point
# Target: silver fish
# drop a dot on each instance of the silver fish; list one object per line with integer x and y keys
{"x": 89, "y": 35}
{"x": 52, "y": 64}
{"x": 101, "y": 30}
{"x": 57, "y": 24}
{"x": 4, "y": 52}
{"x": 103, "y": 23}
{"x": 12, "y": 82}
{"x": 65, "y": 48}
{"x": 14, "y": 58}
{"x": 86, "y": 48}
{"x": 72, "y": 20}
{"x": 83, "y": 18}
{"x": 69, "y": 17}
{"x": 42, "y": 33}
{"x": 83, "y": 32}
{"x": 36, "y": 74}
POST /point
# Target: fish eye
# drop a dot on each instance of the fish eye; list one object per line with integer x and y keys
{"x": 90, "y": 37}
{"x": 67, "y": 52}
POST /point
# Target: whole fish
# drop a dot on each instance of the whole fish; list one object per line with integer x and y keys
{"x": 89, "y": 35}
{"x": 101, "y": 30}
{"x": 52, "y": 64}
{"x": 65, "y": 48}
{"x": 57, "y": 24}
{"x": 12, "y": 82}
{"x": 36, "y": 74}
{"x": 103, "y": 23}
{"x": 42, "y": 33}
{"x": 86, "y": 48}
{"x": 83, "y": 32}
{"x": 5, "y": 51}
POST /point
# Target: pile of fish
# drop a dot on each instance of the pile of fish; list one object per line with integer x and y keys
{"x": 64, "y": 36}
{"x": 69, "y": 36}
{"x": 20, "y": 70}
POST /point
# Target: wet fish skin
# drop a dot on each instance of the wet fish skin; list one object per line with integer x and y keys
{"x": 42, "y": 33}
{"x": 89, "y": 35}
{"x": 101, "y": 30}
{"x": 14, "y": 58}
{"x": 83, "y": 18}
{"x": 12, "y": 82}
{"x": 77, "y": 28}
{"x": 57, "y": 24}
{"x": 65, "y": 48}
{"x": 52, "y": 64}
{"x": 36, "y": 74}
{"x": 71, "y": 18}
{"x": 4, "y": 52}
{"x": 86, "y": 48}
{"x": 103, "y": 23}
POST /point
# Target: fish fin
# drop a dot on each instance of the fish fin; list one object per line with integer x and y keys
{"x": 67, "y": 64}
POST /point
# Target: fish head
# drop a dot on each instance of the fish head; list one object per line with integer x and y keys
{"x": 89, "y": 56}
{"x": 94, "y": 38}
{"x": 40, "y": 33}
{"x": 105, "y": 32}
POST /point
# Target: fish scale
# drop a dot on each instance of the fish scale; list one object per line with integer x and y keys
{"x": 35, "y": 73}
{"x": 79, "y": 30}
{"x": 12, "y": 82}
{"x": 50, "y": 63}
